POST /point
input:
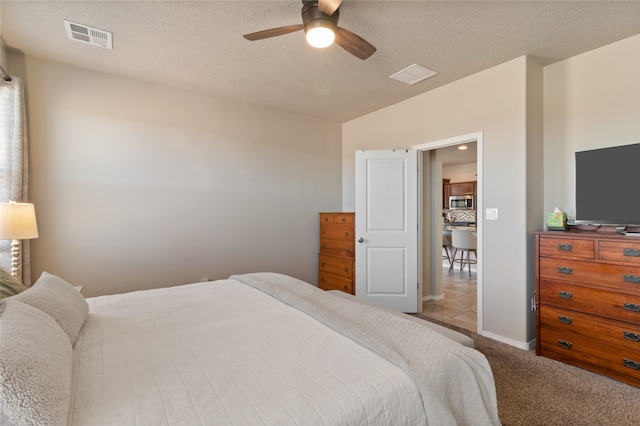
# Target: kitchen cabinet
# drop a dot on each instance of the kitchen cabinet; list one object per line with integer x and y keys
{"x": 458, "y": 188}
{"x": 446, "y": 192}
{"x": 462, "y": 188}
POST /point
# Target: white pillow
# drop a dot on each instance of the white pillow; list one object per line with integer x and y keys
{"x": 35, "y": 366}
{"x": 59, "y": 299}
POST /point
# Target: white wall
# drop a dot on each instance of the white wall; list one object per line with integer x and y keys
{"x": 494, "y": 102}
{"x": 107, "y": 145}
{"x": 461, "y": 172}
{"x": 590, "y": 101}
{"x": 139, "y": 186}
{"x": 534, "y": 120}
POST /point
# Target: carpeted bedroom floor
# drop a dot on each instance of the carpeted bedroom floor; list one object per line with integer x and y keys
{"x": 536, "y": 391}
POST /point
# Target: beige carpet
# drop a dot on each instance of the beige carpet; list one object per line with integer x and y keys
{"x": 535, "y": 390}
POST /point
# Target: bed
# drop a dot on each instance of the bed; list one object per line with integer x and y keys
{"x": 254, "y": 349}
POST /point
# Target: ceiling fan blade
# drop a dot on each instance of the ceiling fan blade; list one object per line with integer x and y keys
{"x": 354, "y": 44}
{"x": 328, "y": 6}
{"x": 273, "y": 32}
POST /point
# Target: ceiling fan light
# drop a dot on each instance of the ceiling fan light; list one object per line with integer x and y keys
{"x": 318, "y": 35}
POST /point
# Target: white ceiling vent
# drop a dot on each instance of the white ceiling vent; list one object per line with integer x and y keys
{"x": 413, "y": 74}
{"x": 88, "y": 34}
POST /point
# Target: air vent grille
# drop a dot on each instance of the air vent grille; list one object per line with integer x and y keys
{"x": 89, "y": 35}
{"x": 413, "y": 74}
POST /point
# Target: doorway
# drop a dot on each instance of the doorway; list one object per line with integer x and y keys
{"x": 435, "y": 271}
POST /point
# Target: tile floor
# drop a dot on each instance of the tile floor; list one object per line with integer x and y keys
{"x": 460, "y": 298}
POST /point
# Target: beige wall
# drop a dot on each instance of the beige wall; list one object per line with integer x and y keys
{"x": 139, "y": 186}
{"x": 132, "y": 181}
{"x": 590, "y": 101}
{"x": 461, "y": 172}
{"x": 493, "y": 102}
{"x": 533, "y": 120}
{"x": 2, "y": 46}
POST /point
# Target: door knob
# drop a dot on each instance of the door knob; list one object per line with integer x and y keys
{"x": 360, "y": 240}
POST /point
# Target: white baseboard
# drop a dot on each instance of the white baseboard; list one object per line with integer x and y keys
{"x": 521, "y": 345}
{"x": 430, "y": 297}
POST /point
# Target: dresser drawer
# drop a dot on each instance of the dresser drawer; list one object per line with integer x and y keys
{"x": 336, "y": 231}
{"x": 588, "y": 315}
{"x": 621, "y": 278}
{"x": 332, "y": 282}
{"x": 617, "y": 361}
{"x": 567, "y": 248}
{"x": 599, "y": 302}
{"x": 620, "y": 251}
{"x": 336, "y": 266}
{"x": 337, "y": 248}
{"x": 343, "y": 218}
{"x": 603, "y": 330}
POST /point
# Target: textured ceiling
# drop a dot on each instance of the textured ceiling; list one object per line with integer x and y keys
{"x": 198, "y": 45}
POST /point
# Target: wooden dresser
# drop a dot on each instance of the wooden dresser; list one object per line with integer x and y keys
{"x": 337, "y": 252}
{"x": 588, "y": 301}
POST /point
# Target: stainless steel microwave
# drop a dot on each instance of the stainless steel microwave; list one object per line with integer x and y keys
{"x": 461, "y": 202}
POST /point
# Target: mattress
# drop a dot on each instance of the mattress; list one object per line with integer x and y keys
{"x": 268, "y": 349}
{"x": 225, "y": 353}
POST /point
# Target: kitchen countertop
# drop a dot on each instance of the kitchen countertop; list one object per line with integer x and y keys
{"x": 464, "y": 228}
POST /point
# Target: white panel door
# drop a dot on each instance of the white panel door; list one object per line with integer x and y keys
{"x": 387, "y": 229}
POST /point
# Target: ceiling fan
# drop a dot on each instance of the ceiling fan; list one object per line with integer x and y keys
{"x": 320, "y": 23}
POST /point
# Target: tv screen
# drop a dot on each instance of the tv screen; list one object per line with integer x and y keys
{"x": 608, "y": 185}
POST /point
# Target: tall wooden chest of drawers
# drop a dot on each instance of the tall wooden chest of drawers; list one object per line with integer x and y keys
{"x": 336, "y": 261}
{"x": 588, "y": 301}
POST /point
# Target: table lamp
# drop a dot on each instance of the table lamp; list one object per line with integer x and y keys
{"x": 17, "y": 222}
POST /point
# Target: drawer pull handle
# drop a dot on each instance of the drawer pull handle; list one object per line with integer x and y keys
{"x": 346, "y": 234}
{"x": 631, "y": 364}
{"x": 346, "y": 269}
{"x": 323, "y": 264}
{"x": 564, "y": 344}
{"x": 628, "y": 278}
{"x": 631, "y": 307}
{"x": 565, "y": 320}
{"x": 631, "y": 252}
{"x": 565, "y": 247}
{"x": 347, "y": 249}
{"x": 631, "y": 336}
{"x": 324, "y": 247}
{"x": 565, "y": 270}
{"x": 565, "y": 294}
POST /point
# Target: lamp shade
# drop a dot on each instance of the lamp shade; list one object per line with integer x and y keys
{"x": 18, "y": 221}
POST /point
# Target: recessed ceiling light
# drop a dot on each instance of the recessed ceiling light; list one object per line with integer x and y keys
{"x": 413, "y": 74}
{"x": 462, "y": 147}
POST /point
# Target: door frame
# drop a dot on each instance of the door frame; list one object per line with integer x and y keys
{"x": 478, "y": 137}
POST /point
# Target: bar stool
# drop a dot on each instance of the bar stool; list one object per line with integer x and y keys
{"x": 446, "y": 244}
{"x": 463, "y": 241}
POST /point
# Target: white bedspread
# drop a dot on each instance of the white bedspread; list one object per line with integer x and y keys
{"x": 222, "y": 353}
{"x": 231, "y": 352}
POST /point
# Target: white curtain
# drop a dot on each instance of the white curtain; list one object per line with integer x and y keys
{"x": 13, "y": 162}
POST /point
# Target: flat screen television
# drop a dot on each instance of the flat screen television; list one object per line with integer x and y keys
{"x": 608, "y": 185}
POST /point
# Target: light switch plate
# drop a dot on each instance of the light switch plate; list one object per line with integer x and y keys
{"x": 491, "y": 214}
